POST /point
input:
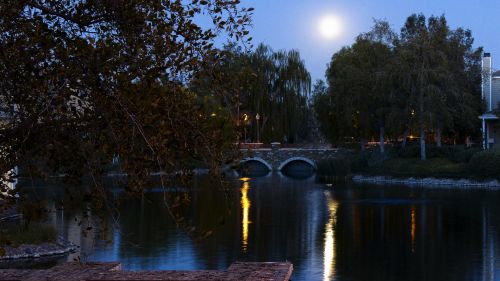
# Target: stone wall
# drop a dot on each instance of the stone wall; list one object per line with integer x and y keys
{"x": 275, "y": 158}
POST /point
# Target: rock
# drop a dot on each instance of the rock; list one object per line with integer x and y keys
{"x": 429, "y": 182}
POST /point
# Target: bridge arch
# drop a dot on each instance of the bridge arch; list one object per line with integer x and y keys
{"x": 257, "y": 159}
{"x": 303, "y": 159}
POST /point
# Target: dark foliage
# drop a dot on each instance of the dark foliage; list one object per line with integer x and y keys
{"x": 82, "y": 82}
{"x": 486, "y": 164}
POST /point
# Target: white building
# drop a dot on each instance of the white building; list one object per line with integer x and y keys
{"x": 491, "y": 96}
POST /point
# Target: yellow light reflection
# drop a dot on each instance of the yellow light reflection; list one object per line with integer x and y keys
{"x": 245, "y": 205}
{"x": 413, "y": 227}
{"x": 329, "y": 256}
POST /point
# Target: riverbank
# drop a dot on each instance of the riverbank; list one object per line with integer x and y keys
{"x": 33, "y": 251}
{"x": 429, "y": 182}
{"x": 451, "y": 166}
{"x": 29, "y": 244}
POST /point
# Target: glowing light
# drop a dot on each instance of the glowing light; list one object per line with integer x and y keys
{"x": 245, "y": 205}
{"x": 330, "y": 27}
{"x": 244, "y": 179}
{"x": 329, "y": 255}
{"x": 413, "y": 227}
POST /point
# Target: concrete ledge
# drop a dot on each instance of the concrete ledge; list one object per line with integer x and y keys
{"x": 238, "y": 271}
{"x": 260, "y": 271}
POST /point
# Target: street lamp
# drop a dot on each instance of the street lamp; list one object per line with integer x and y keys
{"x": 245, "y": 123}
{"x": 257, "y": 117}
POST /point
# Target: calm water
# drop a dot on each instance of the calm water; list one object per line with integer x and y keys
{"x": 339, "y": 232}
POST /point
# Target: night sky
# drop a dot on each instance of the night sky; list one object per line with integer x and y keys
{"x": 293, "y": 24}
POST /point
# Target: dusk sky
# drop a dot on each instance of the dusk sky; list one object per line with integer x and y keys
{"x": 294, "y": 24}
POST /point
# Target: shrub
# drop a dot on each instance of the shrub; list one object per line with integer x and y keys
{"x": 463, "y": 155}
{"x": 410, "y": 151}
{"x": 434, "y": 151}
{"x": 359, "y": 164}
{"x": 485, "y": 164}
{"x": 334, "y": 168}
{"x": 414, "y": 167}
{"x": 35, "y": 233}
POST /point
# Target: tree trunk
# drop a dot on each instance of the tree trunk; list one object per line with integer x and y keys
{"x": 405, "y": 136}
{"x": 421, "y": 120}
{"x": 362, "y": 143}
{"x": 264, "y": 122}
{"x": 423, "y": 155}
{"x": 382, "y": 140}
{"x": 438, "y": 137}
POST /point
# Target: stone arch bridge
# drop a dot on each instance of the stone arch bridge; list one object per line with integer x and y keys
{"x": 275, "y": 159}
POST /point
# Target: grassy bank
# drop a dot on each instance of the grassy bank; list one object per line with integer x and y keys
{"x": 453, "y": 162}
{"x": 414, "y": 167}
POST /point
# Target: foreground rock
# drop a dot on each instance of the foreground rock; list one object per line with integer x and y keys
{"x": 238, "y": 271}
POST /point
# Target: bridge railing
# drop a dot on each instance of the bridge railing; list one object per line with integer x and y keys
{"x": 278, "y": 145}
{"x": 253, "y": 145}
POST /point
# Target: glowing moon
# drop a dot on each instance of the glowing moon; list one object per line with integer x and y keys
{"x": 330, "y": 27}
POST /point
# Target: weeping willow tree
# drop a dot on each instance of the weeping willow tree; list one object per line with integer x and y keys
{"x": 283, "y": 86}
{"x": 275, "y": 85}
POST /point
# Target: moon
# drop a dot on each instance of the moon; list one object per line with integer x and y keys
{"x": 330, "y": 27}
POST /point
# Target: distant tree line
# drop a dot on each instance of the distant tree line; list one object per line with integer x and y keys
{"x": 424, "y": 81}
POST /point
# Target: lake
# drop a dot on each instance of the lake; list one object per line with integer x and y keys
{"x": 337, "y": 232}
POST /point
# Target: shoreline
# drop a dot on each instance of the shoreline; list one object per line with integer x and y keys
{"x": 493, "y": 185}
{"x": 32, "y": 252}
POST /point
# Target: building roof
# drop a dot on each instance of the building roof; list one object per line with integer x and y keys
{"x": 496, "y": 74}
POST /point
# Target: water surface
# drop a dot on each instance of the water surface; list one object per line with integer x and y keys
{"x": 339, "y": 232}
